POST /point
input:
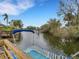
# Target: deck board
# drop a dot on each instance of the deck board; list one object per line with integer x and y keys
{"x": 17, "y": 51}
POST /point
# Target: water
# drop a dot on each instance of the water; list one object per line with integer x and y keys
{"x": 29, "y": 39}
{"x": 36, "y": 55}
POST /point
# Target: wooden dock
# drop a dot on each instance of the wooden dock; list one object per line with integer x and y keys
{"x": 8, "y": 45}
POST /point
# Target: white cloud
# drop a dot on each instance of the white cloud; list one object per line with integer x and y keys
{"x": 15, "y": 8}
{"x": 24, "y": 4}
{"x": 8, "y": 8}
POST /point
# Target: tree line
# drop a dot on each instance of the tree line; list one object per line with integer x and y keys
{"x": 64, "y": 38}
{"x": 15, "y": 23}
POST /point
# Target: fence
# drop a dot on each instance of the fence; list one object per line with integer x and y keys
{"x": 50, "y": 55}
{"x": 55, "y": 56}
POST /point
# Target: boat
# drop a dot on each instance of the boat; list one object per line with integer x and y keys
{"x": 34, "y": 52}
{"x": 10, "y": 51}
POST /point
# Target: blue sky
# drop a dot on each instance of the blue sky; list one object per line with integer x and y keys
{"x": 31, "y": 12}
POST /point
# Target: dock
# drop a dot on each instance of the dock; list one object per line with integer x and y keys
{"x": 11, "y": 50}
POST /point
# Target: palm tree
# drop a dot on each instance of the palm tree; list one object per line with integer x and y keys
{"x": 5, "y": 18}
{"x": 16, "y": 23}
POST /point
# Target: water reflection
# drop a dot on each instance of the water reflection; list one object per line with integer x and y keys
{"x": 29, "y": 39}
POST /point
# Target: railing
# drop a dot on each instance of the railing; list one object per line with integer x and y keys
{"x": 50, "y": 55}
{"x": 55, "y": 56}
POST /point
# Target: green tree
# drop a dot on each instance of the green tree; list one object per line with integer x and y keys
{"x": 16, "y": 23}
{"x": 63, "y": 38}
{"x": 51, "y": 26}
{"x": 69, "y": 10}
{"x": 50, "y": 30}
{"x": 31, "y": 28}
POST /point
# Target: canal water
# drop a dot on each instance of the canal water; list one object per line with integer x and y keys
{"x": 29, "y": 39}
